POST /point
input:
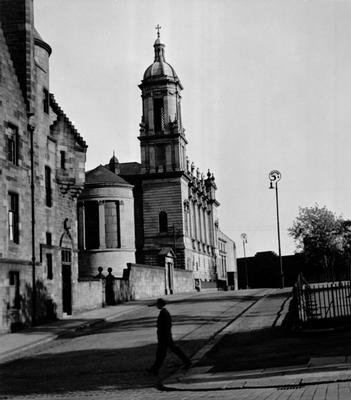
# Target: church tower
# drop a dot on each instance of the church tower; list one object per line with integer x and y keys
{"x": 177, "y": 207}
{"x": 162, "y": 139}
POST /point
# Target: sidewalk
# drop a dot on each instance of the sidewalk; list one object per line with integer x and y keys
{"x": 257, "y": 352}
{"x": 201, "y": 378}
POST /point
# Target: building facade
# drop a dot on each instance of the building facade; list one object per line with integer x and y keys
{"x": 175, "y": 205}
{"x": 227, "y": 269}
{"x": 42, "y": 162}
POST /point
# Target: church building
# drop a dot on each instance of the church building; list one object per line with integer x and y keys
{"x": 175, "y": 206}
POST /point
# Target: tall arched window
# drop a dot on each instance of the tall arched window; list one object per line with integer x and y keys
{"x": 163, "y": 222}
{"x": 159, "y": 117}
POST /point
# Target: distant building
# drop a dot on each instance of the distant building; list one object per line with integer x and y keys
{"x": 175, "y": 205}
{"x": 227, "y": 271}
{"x": 263, "y": 270}
{"x": 42, "y": 161}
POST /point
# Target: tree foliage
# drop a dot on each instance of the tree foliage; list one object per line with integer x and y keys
{"x": 320, "y": 234}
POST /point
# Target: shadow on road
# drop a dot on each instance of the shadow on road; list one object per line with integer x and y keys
{"x": 274, "y": 347}
{"x": 86, "y": 370}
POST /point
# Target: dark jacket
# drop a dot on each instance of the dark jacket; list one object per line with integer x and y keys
{"x": 164, "y": 324}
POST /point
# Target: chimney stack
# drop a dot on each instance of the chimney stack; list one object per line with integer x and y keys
{"x": 17, "y": 20}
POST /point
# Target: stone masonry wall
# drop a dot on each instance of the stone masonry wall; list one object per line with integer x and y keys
{"x": 90, "y": 294}
{"x": 183, "y": 281}
{"x": 146, "y": 281}
{"x": 149, "y": 281}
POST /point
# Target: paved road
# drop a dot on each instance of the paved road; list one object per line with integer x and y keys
{"x": 110, "y": 361}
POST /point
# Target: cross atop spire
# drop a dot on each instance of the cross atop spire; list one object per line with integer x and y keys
{"x": 158, "y": 27}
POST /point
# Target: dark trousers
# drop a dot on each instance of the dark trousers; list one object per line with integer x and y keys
{"x": 161, "y": 352}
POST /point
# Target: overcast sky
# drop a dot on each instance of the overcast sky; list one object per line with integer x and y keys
{"x": 266, "y": 86}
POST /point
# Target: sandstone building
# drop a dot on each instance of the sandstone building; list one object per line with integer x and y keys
{"x": 42, "y": 162}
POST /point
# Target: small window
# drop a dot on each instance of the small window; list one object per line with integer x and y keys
{"x": 49, "y": 238}
{"x": 49, "y": 266}
{"x": 12, "y": 144}
{"x": 14, "y": 279}
{"x": 63, "y": 159}
{"x": 13, "y": 218}
{"x": 48, "y": 191}
{"x": 163, "y": 222}
{"x": 46, "y": 101}
{"x": 66, "y": 256}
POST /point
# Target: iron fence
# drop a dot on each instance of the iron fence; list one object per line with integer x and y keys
{"x": 322, "y": 303}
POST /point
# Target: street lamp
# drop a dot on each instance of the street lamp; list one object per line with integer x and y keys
{"x": 244, "y": 239}
{"x": 274, "y": 177}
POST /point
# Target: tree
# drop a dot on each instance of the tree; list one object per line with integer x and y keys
{"x": 319, "y": 233}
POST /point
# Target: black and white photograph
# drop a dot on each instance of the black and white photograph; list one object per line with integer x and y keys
{"x": 175, "y": 199}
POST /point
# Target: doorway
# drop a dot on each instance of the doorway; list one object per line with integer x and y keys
{"x": 66, "y": 282}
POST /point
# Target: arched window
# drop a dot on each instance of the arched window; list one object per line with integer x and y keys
{"x": 159, "y": 117}
{"x": 163, "y": 222}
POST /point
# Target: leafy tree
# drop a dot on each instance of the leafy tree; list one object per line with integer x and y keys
{"x": 320, "y": 234}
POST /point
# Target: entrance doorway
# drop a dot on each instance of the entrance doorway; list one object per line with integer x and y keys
{"x": 66, "y": 281}
{"x": 170, "y": 277}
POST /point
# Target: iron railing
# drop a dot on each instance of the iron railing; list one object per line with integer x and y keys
{"x": 324, "y": 303}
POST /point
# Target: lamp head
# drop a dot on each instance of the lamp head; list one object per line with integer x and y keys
{"x": 274, "y": 176}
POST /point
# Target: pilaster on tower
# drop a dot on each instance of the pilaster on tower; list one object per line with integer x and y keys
{"x": 162, "y": 137}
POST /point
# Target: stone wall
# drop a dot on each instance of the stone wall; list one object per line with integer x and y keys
{"x": 146, "y": 281}
{"x": 149, "y": 281}
{"x": 90, "y": 294}
{"x": 183, "y": 281}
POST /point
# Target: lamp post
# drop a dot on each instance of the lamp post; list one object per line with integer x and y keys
{"x": 244, "y": 239}
{"x": 274, "y": 177}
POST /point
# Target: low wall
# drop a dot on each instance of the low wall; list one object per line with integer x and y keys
{"x": 149, "y": 281}
{"x": 183, "y": 281}
{"x": 90, "y": 294}
{"x": 138, "y": 281}
{"x": 146, "y": 281}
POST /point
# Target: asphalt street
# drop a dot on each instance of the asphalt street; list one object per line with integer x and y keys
{"x": 109, "y": 361}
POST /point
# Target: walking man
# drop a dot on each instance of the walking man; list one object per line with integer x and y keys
{"x": 165, "y": 340}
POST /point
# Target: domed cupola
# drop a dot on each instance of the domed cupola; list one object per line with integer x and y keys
{"x": 162, "y": 138}
{"x": 160, "y": 68}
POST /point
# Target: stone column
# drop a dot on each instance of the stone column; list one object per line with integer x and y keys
{"x": 200, "y": 223}
{"x": 204, "y": 217}
{"x": 191, "y": 229}
{"x": 102, "y": 225}
{"x": 195, "y": 220}
{"x": 119, "y": 221}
